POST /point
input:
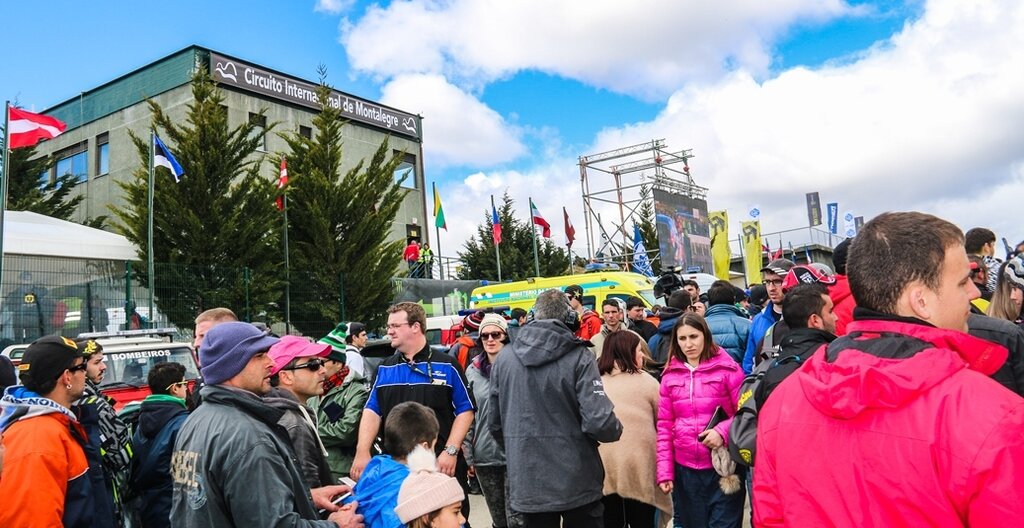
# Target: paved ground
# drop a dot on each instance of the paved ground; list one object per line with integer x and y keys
{"x": 479, "y": 517}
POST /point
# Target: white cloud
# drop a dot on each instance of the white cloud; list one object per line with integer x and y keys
{"x": 333, "y": 7}
{"x": 647, "y": 48}
{"x": 929, "y": 120}
{"x": 458, "y": 128}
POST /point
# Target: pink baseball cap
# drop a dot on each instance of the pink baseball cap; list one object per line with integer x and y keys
{"x": 291, "y": 347}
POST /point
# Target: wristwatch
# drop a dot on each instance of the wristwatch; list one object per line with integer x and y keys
{"x": 451, "y": 450}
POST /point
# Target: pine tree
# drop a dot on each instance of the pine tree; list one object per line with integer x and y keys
{"x": 217, "y": 222}
{"x": 55, "y": 199}
{"x": 648, "y": 229}
{"x": 478, "y": 258}
{"x": 339, "y": 224}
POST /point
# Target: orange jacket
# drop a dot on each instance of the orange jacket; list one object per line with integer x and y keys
{"x": 44, "y": 481}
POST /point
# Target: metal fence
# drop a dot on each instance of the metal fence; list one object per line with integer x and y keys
{"x": 51, "y": 295}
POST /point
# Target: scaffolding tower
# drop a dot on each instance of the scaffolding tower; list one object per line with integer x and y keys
{"x": 651, "y": 163}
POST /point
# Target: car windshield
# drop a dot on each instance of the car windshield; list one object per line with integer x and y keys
{"x": 649, "y": 297}
{"x": 133, "y": 366}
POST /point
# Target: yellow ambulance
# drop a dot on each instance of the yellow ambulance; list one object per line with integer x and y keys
{"x": 597, "y": 287}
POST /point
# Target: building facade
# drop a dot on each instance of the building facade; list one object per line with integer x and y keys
{"x": 97, "y": 148}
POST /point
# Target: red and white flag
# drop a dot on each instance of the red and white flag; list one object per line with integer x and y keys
{"x": 25, "y": 129}
{"x": 570, "y": 232}
{"x": 539, "y": 220}
{"x": 282, "y": 181}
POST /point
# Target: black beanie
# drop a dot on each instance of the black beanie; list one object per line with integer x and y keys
{"x": 839, "y": 255}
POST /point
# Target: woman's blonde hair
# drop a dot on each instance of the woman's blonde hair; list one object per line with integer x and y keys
{"x": 1001, "y": 306}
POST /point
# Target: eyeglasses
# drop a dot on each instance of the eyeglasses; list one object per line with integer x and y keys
{"x": 396, "y": 326}
{"x": 78, "y": 367}
{"x": 497, "y": 336}
{"x": 177, "y": 383}
{"x": 313, "y": 365}
{"x": 773, "y": 282}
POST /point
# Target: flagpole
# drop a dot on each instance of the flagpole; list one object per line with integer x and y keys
{"x": 287, "y": 271}
{"x": 149, "y": 229}
{"x": 497, "y": 252}
{"x": 571, "y": 270}
{"x": 533, "y": 231}
{"x": 3, "y": 181}
{"x": 437, "y": 231}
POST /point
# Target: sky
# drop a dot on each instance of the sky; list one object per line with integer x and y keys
{"x": 878, "y": 105}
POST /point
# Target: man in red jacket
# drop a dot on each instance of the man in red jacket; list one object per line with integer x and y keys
{"x": 896, "y": 423}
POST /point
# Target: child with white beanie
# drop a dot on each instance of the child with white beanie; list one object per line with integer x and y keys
{"x": 429, "y": 499}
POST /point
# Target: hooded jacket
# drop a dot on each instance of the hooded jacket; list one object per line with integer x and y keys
{"x": 669, "y": 316}
{"x": 108, "y": 451}
{"x": 149, "y": 479}
{"x": 688, "y": 400}
{"x": 338, "y": 414}
{"x": 798, "y": 345}
{"x": 44, "y": 480}
{"x": 758, "y": 328}
{"x": 843, "y": 303}
{"x": 228, "y": 448}
{"x": 377, "y": 492}
{"x": 300, "y": 422}
{"x": 729, "y": 328}
{"x": 551, "y": 412}
{"x": 895, "y": 424}
{"x": 480, "y": 446}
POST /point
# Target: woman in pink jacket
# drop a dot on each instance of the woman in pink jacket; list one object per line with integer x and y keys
{"x": 698, "y": 378}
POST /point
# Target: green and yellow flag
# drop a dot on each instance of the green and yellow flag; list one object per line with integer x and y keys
{"x": 752, "y": 250}
{"x": 438, "y": 211}
{"x": 720, "y": 254}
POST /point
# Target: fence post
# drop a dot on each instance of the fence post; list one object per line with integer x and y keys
{"x": 127, "y": 291}
{"x": 341, "y": 297}
{"x": 245, "y": 285}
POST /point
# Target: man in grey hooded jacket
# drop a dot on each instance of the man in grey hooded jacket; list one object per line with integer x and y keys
{"x": 551, "y": 414}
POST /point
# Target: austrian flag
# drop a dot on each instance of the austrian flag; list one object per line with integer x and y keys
{"x": 25, "y": 129}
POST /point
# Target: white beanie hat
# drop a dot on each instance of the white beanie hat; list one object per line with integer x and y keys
{"x": 425, "y": 490}
{"x": 492, "y": 319}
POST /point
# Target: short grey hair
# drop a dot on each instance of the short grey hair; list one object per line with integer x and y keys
{"x": 551, "y": 304}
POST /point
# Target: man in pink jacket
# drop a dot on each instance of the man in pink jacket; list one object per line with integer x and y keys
{"x": 896, "y": 423}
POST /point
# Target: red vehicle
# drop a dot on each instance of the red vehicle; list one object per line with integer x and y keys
{"x": 129, "y": 355}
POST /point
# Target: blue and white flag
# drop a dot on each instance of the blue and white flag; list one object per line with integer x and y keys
{"x": 833, "y": 218}
{"x": 162, "y": 157}
{"x": 641, "y": 264}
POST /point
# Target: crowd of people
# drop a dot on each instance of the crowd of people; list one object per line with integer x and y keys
{"x": 881, "y": 391}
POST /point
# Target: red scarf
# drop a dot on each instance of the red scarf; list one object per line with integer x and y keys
{"x": 336, "y": 380}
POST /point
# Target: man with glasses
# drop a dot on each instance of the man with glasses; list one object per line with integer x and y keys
{"x": 298, "y": 375}
{"x": 340, "y": 409}
{"x": 773, "y": 274}
{"x": 233, "y": 465}
{"x": 160, "y": 418}
{"x": 44, "y": 480}
{"x": 417, "y": 373}
{"x": 110, "y": 444}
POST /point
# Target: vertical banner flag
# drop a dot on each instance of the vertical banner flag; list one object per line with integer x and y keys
{"x": 641, "y": 264}
{"x": 162, "y": 157}
{"x": 495, "y": 224}
{"x": 282, "y": 180}
{"x": 752, "y": 250}
{"x": 718, "y": 221}
{"x": 539, "y": 220}
{"x": 858, "y": 222}
{"x": 813, "y": 209}
{"x": 25, "y": 129}
{"x": 833, "y": 218}
{"x": 570, "y": 231}
{"x": 438, "y": 211}
{"x": 849, "y": 225}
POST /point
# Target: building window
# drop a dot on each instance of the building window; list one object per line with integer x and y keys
{"x": 44, "y": 178}
{"x": 259, "y": 129}
{"x": 306, "y": 132}
{"x": 102, "y": 154}
{"x": 407, "y": 170}
{"x": 74, "y": 161}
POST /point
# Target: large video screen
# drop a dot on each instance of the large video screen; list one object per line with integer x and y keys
{"x": 684, "y": 235}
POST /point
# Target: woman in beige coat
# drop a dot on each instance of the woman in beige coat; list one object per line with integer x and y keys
{"x": 631, "y": 490}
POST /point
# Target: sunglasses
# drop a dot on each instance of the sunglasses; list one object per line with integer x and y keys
{"x": 497, "y": 336}
{"x": 313, "y": 365}
{"x": 79, "y": 367}
{"x": 175, "y": 384}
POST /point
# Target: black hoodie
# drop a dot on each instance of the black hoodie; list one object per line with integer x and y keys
{"x": 149, "y": 478}
{"x": 796, "y": 346}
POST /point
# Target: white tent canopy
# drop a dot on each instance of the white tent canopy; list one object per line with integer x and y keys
{"x": 27, "y": 233}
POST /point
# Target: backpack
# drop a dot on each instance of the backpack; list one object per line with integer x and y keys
{"x": 743, "y": 431}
